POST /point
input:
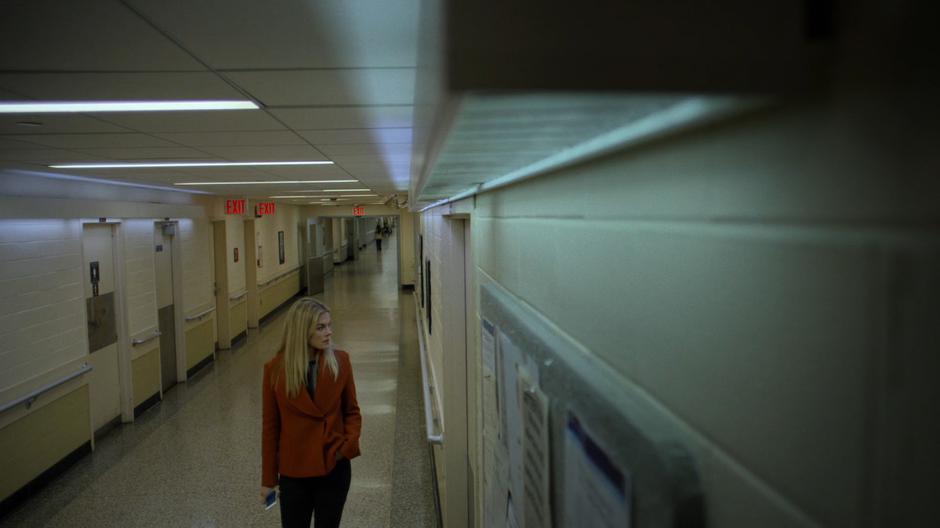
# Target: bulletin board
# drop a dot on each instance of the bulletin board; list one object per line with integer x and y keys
{"x": 567, "y": 438}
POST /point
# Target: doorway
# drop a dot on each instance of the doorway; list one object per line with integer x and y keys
{"x": 101, "y": 310}
{"x": 163, "y": 235}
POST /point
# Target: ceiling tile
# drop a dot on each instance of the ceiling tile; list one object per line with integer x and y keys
{"x": 364, "y": 149}
{"x": 79, "y": 141}
{"x": 397, "y": 116}
{"x": 108, "y": 86}
{"x": 50, "y": 156}
{"x": 315, "y": 172}
{"x": 55, "y": 124}
{"x": 358, "y": 135}
{"x": 226, "y": 139}
{"x": 267, "y": 153}
{"x": 329, "y": 87}
{"x": 248, "y": 34}
{"x": 222, "y": 121}
{"x": 150, "y": 153}
{"x": 7, "y": 143}
{"x": 86, "y": 35}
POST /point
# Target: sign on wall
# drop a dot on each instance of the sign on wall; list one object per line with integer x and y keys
{"x": 359, "y": 210}
{"x": 234, "y": 207}
{"x": 264, "y": 208}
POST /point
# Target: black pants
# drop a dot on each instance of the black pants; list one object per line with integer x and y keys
{"x": 320, "y": 497}
{"x": 378, "y": 244}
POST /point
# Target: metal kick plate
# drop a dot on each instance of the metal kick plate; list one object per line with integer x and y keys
{"x": 102, "y": 327}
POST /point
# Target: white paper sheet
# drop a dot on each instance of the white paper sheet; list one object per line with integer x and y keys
{"x": 536, "y": 453}
{"x": 511, "y": 412}
{"x": 597, "y": 492}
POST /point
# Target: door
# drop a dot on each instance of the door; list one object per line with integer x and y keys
{"x": 222, "y": 313}
{"x": 166, "y": 316}
{"x": 100, "y": 310}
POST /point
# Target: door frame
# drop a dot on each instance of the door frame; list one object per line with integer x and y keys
{"x": 125, "y": 379}
{"x": 221, "y": 287}
{"x": 176, "y": 274}
{"x": 456, "y": 454}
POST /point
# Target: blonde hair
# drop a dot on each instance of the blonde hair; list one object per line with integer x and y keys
{"x": 302, "y": 318}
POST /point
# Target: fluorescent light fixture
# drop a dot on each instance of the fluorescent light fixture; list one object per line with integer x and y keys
{"x": 264, "y": 182}
{"x": 344, "y": 190}
{"x": 69, "y": 107}
{"x": 163, "y": 165}
{"x": 308, "y": 196}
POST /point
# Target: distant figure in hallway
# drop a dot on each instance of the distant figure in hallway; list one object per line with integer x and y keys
{"x": 379, "y": 234}
{"x": 310, "y": 422}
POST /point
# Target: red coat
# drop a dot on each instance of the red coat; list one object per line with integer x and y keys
{"x": 300, "y": 437}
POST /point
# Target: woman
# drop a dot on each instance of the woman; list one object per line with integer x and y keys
{"x": 378, "y": 237}
{"x": 311, "y": 421}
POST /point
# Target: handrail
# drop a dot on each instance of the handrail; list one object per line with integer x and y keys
{"x": 281, "y": 276}
{"x": 428, "y": 415}
{"x": 237, "y": 297}
{"x": 156, "y": 334}
{"x": 30, "y": 398}
{"x": 199, "y": 315}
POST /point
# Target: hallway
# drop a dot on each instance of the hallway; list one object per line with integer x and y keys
{"x": 194, "y": 459}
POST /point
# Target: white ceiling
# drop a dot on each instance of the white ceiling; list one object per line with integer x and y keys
{"x": 335, "y": 79}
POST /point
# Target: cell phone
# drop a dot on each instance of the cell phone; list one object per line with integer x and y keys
{"x": 270, "y": 500}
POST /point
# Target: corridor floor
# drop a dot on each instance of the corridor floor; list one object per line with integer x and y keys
{"x": 194, "y": 459}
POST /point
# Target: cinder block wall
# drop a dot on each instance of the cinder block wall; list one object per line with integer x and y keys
{"x": 772, "y": 282}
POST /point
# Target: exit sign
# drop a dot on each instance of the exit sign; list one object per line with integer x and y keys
{"x": 264, "y": 208}
{"x": 359, "y": 210}
{"x": 234, "y": 207}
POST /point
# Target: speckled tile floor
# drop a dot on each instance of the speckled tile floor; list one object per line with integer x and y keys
{"x": 194, "y": 459}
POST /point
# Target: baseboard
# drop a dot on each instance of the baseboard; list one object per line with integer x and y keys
{"x": 146, "y": 404}
{"x": 237, "y": 340}
{"x": 106, "y": 428}
{"x": 34, "y": 486}
{"x": 199, "y": 366}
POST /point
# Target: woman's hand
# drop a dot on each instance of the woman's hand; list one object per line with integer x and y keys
{"x": 264, "y": 494}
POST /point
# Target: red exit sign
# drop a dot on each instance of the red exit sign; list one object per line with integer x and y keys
{"x": 359, "y": 210}
{"x": 234, "y": 207}
{"x": 264, "y": 208}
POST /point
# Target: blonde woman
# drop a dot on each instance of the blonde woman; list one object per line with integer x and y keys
{"x": 311, "y": 420}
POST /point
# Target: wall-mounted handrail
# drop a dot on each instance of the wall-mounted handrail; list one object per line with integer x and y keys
{"x": 156, "y": 334}
{"x": 30, "y": 398}
{"x": 238, "y": 297}
{"x": 279, "y": 277}
{"x": 200, "y": 315}
{"x": 426, "y": 390}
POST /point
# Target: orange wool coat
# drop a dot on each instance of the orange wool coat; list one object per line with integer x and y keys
{"x": 300, "y": 437}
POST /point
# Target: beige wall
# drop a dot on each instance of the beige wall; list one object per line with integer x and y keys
{"x": 42, "y": 323}
{"x": 762, "y": 281}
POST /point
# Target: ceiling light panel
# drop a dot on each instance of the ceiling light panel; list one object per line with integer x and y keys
{"x": 66, "y": 107}
{"x": 265, "y": 182}
{"x": 151, "y": 165}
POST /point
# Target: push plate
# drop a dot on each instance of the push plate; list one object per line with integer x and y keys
{"x": 102, "y": 328}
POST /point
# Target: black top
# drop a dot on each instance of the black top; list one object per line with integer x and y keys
{"x": 312, "y": 377}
